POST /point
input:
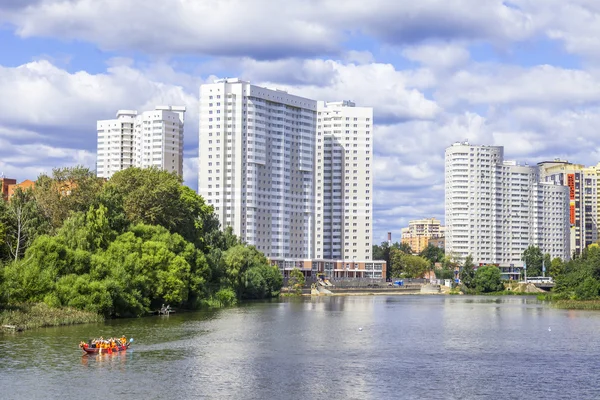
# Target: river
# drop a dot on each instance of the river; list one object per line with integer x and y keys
{"x": 359, "y": 347}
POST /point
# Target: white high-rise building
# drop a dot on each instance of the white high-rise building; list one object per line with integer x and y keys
{"x": 344, "y": 181}
{"x": 256, "y": 164}
{"x": 495, "y": 209}
{"x": 151, "y": 139}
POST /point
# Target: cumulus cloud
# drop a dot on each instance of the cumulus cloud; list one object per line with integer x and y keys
{"x": 391, "y": 92}
{"x": 43, "y": 97}
{"x": 28, "y": 161}
{"x": 263, "y": 29}
{"x": 497, "y": 84}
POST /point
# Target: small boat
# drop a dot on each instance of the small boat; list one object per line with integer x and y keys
{"x": 87, "y": 349}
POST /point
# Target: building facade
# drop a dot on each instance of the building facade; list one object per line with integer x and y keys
{"x": 584, "y": 202}
{"x": 333, "y": 269}
{"x": 495, "y": 209}
{"x": 4, "y": 184}
{"x": 150, "y": 139}
{"x": 420, "y": 231}
{"x": 24, "y": 186}
{"x": 290, "y": 175}
{"x": 343, "y": 181}
{"x": 256, "y": 164}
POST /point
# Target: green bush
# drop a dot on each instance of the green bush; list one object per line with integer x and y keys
{"x": 488, "y": 279}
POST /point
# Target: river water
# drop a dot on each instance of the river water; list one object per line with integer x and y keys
{"x": 360, "y": 347}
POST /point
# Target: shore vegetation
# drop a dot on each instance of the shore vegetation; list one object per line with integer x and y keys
{"x": 122, "y": 247}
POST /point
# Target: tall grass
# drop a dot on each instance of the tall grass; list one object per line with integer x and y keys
{"x": 577, "y": 304}
{"x": 30, "y": 316}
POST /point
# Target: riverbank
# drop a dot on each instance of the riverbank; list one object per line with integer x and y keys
{"x": 31, "y": 316}
{"x": 592, "y": 305}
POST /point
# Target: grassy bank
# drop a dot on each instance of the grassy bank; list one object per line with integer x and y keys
{"x": 29, "y": 316}
{"x": 577, "y": 304}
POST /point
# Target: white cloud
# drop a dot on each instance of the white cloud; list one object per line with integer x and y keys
{"x": 41, "y": 95}
{"x": 181, "y": 26}
{"x": 392, "y": 93}
{"x": 263, "y": 29}
{"x": 27, "y": 161}
{"x": 493, "y": 84}
{"x": 438, "y": 56}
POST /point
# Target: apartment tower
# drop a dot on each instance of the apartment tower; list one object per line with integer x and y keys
{"x": 256, "y": 164}
{"x": 150, "y": 139}
{"x": 495, "y": 209}
{"x": 584, "y": 202}
{"x": 344, "y": 179}
{"x": 420, "y": 231}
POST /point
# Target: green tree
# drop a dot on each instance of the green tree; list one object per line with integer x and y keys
{"x": 405, "y": 247}
{"x": 200, "y": 224}
{"x": 488, "y": 279}
{"x": 533, "y": 257}
{"x": 236, "y": 261}
{"x": 383, "y": 252}
{"x": 22, "y": 223}
{"x": 433, "y": 253}
{"x": 467, "y": 272}
{"x": 68, "y": 190}
{"x": 296, "y": 281}
{"x": 557, "y": 267}
{"x": 407, "y": 265}
{"x": 150, "y": 196}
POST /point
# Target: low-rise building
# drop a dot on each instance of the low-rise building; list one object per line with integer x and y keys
{"x": 438, "y": 242}
{"x": 333, "y": 269}
{"x": 26, "y": 184}
{"x": 4, "y": 184}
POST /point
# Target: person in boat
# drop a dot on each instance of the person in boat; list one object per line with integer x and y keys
{"x": 123, "y": 340}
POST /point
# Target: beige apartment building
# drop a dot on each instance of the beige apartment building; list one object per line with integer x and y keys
{"x": 584, "y": 202}
{"x": 420, "y": 231}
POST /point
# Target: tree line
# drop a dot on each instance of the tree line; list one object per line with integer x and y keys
{"x": 123, "y": 247}
{"x": 403, "y": 263}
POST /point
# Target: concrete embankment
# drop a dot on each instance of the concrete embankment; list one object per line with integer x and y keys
{"x": 334, "y": 291}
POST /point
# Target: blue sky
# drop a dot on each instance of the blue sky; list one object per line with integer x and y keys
{"x": 524, "y": 74}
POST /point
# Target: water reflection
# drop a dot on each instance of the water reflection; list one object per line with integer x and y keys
{"x": 409, "y": 347}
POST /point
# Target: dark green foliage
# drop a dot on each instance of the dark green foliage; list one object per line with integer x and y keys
{"x": 467, "y": 272}
{"x": 383, "y": 252}
{"x": 296, "y": 281}
{"x": 140, "y": 241}
{"x": 262, "y": 282}
{"x": 433, "y": 253}
{"x": 488, "y": 279}
{"x": 578, "y": 279}
{"x": 533, "y": 259}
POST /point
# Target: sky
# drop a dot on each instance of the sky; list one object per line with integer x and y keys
{"x": 523, "y": 74}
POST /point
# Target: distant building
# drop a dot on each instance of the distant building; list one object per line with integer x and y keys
{"x": 495, "y": 209}
{"x": 150, "y": 139}
{"x": 438, "y": 242}
{"x": 583, "y": 184}
{"x": 26, "y": 184}
{"x": 4, "y": 184}
{"x": 420, "y": 231}
{"x": 333, "y": 269}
